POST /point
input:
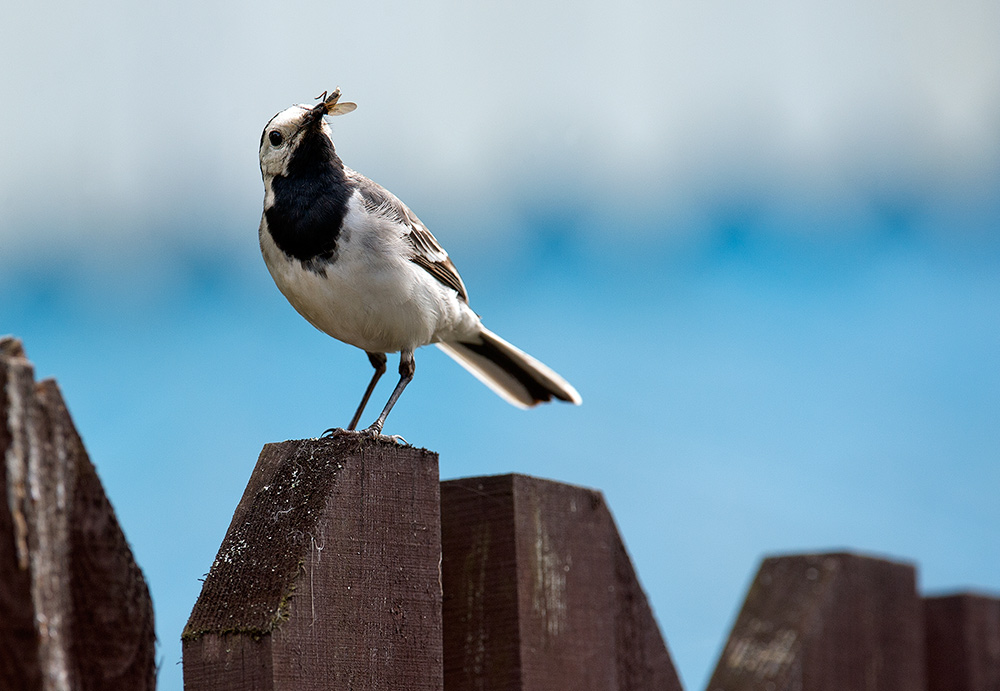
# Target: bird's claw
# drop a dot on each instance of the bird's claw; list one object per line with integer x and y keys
{"x": 372, "y": 432}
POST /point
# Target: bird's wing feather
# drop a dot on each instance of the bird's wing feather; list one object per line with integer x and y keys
{"x": 427, "y": 251}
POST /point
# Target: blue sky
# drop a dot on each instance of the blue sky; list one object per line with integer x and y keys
{"x": 763, "y": 241}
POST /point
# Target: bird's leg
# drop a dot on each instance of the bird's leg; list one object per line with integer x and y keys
{"x": 378, "y": 362}
{"x": 407, "y": 366}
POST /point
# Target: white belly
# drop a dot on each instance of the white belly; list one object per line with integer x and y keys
{"x": 371, "y": 296}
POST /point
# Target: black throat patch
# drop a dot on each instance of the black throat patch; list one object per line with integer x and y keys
{"x": 310, "y": 202}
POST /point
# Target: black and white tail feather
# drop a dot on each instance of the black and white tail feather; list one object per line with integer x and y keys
{"x": 514, "y": 375}
{"x": 360, "y": 266}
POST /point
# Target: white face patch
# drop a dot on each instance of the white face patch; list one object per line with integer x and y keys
{"x": 279, "y": 138}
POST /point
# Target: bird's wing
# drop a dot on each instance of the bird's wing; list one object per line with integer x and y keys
{"x": 427, "y": 251}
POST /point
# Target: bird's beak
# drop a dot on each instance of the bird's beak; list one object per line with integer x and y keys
{"x": 315, "y": 114}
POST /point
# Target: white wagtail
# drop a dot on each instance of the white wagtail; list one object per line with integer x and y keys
{"x": 360, "y": 266}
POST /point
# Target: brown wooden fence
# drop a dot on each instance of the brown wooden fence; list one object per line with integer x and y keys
{"x": 75, "y": 612}
{"x": 349, "y": 566}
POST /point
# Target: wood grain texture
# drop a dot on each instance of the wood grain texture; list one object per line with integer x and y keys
{"x": 540, "y": 593}
{"x": 826, "y": 622}
{"x": 20, "y": 666}
{"x": 91, "y": 613}
{"x": 328, "y": 576}
{"x": 963, "y": 642}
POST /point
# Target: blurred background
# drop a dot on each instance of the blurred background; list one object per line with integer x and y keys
{"x": 762, "y": 239}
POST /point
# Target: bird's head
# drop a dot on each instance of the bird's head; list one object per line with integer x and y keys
{"x": 298, "y": 137}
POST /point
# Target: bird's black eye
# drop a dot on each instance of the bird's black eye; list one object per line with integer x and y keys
{"x": 275, "y": 137}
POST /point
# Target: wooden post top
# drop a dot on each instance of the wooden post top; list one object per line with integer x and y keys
{"x": 275, "y": 525}
{"x": 328, "y": 576}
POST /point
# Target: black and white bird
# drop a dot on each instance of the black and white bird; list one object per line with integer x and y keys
{"x": 360, "y": 266}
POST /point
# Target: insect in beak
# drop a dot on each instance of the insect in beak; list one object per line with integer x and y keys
{"x": 330, "y": 105}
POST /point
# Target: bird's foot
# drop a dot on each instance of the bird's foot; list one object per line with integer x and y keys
{"x": 341, "y": 432}
{"x": 373, "y": 432}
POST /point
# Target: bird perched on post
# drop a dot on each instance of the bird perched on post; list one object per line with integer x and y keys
{"x": 360, "y": 266}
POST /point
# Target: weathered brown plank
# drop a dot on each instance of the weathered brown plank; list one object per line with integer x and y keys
{"x": 20, "y": 667}
{"x": 963, "y": 642}
{"x": 540, "y": 593}
{"x": 328, "y": 577}
{"x": 91, "y": 614}
{"x": 826, "y": 622}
